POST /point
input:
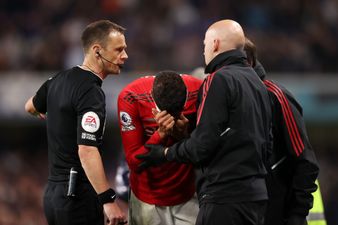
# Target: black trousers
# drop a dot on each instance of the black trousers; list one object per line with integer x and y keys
{"x": 82, "y": 209}
{"x": 243, "y": 213}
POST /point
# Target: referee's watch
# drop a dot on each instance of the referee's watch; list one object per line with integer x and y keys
{"x": 107, "y": 196}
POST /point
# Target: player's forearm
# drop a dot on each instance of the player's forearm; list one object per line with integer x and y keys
{"x": 92, "y": 165}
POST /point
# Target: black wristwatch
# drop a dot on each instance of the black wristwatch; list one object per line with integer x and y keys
{"x": 107, "y": 196}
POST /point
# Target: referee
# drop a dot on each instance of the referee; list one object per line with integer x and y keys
{"x": 78, "y": 191}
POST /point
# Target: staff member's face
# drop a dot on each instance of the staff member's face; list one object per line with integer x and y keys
{"x": 114, "y": 53}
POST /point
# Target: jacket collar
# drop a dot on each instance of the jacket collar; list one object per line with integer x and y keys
{"x": 259, "y": 69}
{"x": 226, "y": 58}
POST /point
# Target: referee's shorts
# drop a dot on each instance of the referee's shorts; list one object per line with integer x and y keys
{"x": 83, "y": 208}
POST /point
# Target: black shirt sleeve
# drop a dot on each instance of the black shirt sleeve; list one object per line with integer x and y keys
{"x": 91, "y": 116}
{"x": 40, "y": 98}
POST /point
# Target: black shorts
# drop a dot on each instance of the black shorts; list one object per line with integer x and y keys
{"x": 82, "y": 209}
{"x": 242, "y": 213}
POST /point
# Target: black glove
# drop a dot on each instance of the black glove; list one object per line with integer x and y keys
{"x": 154, "y": 157}
{"x": 296, "y": 220}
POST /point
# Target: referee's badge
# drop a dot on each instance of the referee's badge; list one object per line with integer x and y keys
{"x": 90, "y": 122}
{"x": 126, "y": 122}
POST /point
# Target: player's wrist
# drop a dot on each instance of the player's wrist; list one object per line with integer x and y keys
{"x": 107, "y": 196}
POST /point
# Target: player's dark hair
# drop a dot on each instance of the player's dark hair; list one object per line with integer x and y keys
{"x": 98, "y": 32}
{"x": 169, "y": 92}
{"x": 251, "y": 52}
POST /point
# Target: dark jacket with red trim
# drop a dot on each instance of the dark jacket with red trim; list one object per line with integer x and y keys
{"x": 293, "y": 167}
{"x": 230, "y": 137}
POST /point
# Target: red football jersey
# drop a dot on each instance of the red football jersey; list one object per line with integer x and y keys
{"x": 170, "y": 183}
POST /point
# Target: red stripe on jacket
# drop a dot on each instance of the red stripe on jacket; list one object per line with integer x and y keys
{"x": 205, "y": 89}
{"x": 293, "y": 131}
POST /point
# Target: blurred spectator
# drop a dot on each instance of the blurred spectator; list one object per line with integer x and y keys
{"x": 21, "y": 179}
{"x": 298, "y": 36}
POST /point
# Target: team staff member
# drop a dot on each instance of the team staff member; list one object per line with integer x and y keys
{"x": 75, "y": 104}
{"x": 292, "y": 166}
{"x": 227, "y": 146}
{"x": 162, "y": 195}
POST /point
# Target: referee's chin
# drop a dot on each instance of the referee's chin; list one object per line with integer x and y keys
{"x": 115, "y": 71}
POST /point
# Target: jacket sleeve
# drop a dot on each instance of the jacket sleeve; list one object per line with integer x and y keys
{"x": 212, "y": 116}
{"x": 132, "y": 131}
{"x": 304, "y": 160}
{"x": 298, "y": 150}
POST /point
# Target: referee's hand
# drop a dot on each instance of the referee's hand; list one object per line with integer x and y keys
{"x": 114, "y": 214}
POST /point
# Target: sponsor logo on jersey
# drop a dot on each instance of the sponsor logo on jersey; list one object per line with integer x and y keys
{"x": 126, "y": 122}
{"x": 90, "y": 122}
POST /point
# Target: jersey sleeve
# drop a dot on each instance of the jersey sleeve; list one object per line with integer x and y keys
{"x": 132, "y": 131}
{"x": 91, "y": 116}
{"x": 40, "y": 98}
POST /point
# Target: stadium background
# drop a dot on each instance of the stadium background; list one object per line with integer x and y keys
{"x": 297, "y": 42}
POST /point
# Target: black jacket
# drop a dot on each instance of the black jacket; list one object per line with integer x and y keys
{"x": 227, "y": 145}
{"x": 292, "y": 165}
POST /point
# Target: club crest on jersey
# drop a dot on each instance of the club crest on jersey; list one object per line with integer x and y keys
{"x": 90, "y": 122}
{"x": 126, "y": 122}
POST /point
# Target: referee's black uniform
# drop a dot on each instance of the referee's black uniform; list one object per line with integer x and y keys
{"x": 75, "y": 107}
{"x": 229, "y": 142}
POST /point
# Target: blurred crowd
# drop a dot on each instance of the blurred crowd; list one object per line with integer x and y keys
{"x": 292, "y": 36}
{"x": 22, "y": 179}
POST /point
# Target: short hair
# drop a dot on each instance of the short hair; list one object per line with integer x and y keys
{"x": 251, "y": 52}
{"x": 99, "y": 31}
{"x": 169, "y": 92}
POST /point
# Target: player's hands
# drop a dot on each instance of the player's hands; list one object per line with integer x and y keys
{"x": 164, "y": 121}
{"x": 149, "y": 131}
{"x": 154, "y": 157}
{"x": 114, "y": 214}
{"x": 180, "y": 129}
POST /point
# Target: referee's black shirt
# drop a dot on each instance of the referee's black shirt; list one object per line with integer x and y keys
{"x": 75, "y": 107}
